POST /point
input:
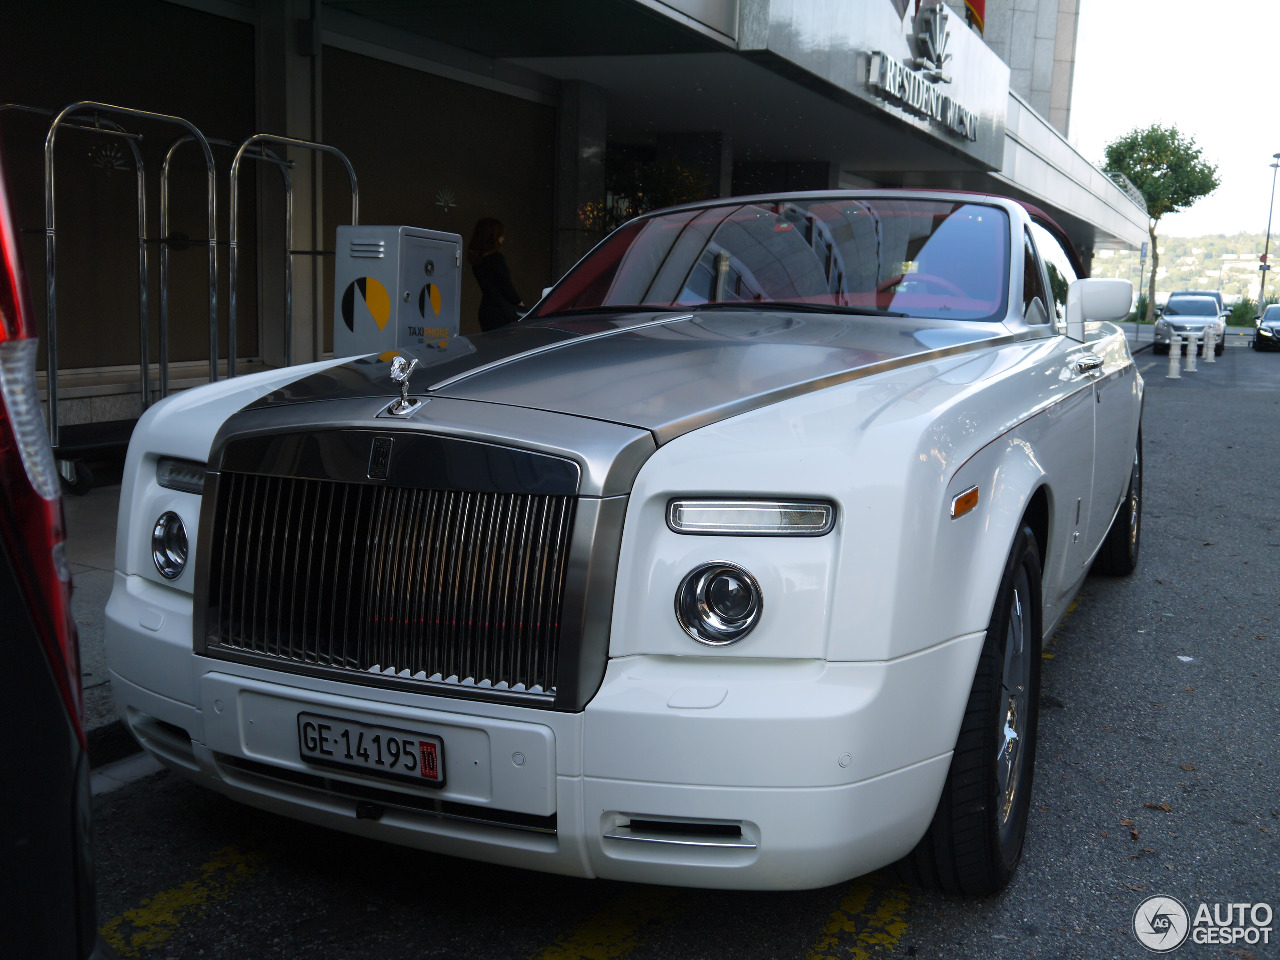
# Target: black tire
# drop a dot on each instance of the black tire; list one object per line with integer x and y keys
{"x": 81, "y": 481}
{"x": 1160, "y": 348}
{"x": 975, "y": 840}
{"x": 1118, "y": 556}
{"x": 1220, "y": 347}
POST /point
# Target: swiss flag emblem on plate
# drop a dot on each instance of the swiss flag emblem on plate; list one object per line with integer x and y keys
{"x": 429, "y": 760}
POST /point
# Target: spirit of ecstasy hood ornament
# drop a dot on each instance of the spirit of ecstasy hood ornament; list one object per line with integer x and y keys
{"x": 401, "y": 369}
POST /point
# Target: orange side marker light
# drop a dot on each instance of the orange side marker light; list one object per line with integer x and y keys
{"x": 964, "y": 502}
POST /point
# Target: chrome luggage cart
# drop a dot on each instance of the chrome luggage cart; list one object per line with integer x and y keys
{"x": 74, "y": 443}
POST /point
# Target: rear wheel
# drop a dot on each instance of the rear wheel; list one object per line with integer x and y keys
{"x": 975, "y": 840}
{"x": 1118, "y": 556}
{"x": 1160, "y": 348}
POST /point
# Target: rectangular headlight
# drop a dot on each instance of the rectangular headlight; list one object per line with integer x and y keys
{"x": 752, "y": 518}
{"x": 185, "y": 475}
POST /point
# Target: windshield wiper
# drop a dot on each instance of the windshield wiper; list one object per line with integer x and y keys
{"x": 800, "y": 307}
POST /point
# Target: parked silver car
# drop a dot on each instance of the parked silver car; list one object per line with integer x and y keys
{"x": 1191, "y": 315}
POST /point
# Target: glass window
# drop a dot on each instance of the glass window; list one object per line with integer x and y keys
{"x": 1057, "y": 263}
{"x": 869, "y": 255}
{"x": 1034, "y": 302}
{"x": 1192, "y": 307}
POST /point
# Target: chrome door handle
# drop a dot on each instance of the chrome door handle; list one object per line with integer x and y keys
{"x": 1089, "y": 364}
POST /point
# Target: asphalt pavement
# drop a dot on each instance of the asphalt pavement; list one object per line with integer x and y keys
{"x": 1158, "y": 773}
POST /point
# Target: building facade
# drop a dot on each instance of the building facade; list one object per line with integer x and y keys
{"x": 1037, "y": 39}
{"x": 560, "y": 118}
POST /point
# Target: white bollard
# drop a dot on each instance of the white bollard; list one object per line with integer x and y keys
{"x": 1192, "y": 346}
{"x": 1175, "y": 358}
{"x": 1210, "y": 344}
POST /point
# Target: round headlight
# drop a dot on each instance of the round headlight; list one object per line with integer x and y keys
{"x": 169, "y": 545}
{"x": 718, "y": 603}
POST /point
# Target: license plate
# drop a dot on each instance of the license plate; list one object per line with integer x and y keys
{"x": 372, "y": 749}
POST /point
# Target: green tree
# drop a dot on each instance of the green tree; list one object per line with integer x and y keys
{"x": 1168, "y": 171}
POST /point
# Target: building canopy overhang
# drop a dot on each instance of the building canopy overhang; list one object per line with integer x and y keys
{"x": 889, "y": 96}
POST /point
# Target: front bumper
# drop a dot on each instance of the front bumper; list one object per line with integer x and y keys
{"x": 1165, "y": 336}
{"x": 698, "y": 771}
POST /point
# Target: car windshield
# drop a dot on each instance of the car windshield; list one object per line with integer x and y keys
{"x": 1272, "y": 313}
{"x": 869, "y": 255}
{"x": 1192, "y": 307}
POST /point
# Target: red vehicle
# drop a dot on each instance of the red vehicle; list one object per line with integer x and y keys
{"x": 46, "y": 864}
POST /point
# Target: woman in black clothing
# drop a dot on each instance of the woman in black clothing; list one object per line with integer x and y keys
{"x": 499, "y": 302}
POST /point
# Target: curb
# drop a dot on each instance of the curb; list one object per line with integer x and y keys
{"x": 109, "y": 743}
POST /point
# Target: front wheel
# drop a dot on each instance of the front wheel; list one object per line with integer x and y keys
{"x": 1161, "y": 349}
{"x": 975, "y": 840}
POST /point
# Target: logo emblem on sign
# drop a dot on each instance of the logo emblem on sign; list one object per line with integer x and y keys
{"x": 366, "y": 297}
{"x": 932, "y": 38}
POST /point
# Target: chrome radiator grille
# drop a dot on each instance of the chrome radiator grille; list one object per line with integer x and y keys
{"x": 442, "y": 586}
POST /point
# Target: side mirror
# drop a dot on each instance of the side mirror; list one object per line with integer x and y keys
{"x": 545, "y": 291}
{"x": 1096, "y": 299}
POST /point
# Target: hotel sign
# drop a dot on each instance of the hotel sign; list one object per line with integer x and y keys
{"x": 919, "y": 91}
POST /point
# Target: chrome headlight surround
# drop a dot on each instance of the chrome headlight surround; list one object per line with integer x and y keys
{"x": 750, "y": 518}
{"x": 718, "y": 603}
{"x": 169, "y": 545}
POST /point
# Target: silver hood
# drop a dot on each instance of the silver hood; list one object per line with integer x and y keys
{"x": 666, "y": 373}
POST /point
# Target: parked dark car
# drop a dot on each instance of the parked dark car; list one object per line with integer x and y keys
{"x": 46, "y": 866}
{"x": 1267, "y": 335}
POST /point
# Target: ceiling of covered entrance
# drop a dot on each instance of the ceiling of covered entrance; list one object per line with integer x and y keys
{"x": 666, "y": 74}
{"x": 766, "y": 116}
{"x": 546, "y": 28}
{"x": 662, "y": 76}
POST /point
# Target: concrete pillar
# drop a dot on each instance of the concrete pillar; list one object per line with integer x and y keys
{"x": 582, "y": 129}
{"x": 1086, "y": 260}
{"x": 288, "y": 60}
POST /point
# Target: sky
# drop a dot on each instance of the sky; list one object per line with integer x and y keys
{"x": 1208, "y": 68}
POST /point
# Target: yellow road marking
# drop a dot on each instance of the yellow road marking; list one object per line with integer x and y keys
{"x": 867, "y": 923}
{"x": 614, "y": 931}
{"x": 158, "y": 918}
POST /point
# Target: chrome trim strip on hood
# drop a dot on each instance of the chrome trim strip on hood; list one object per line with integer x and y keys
{"x": 680, "y": 375}
{"x": 747, "y": 404}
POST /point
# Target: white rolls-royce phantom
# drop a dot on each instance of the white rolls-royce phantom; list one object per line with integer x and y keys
{"x": 728, "y": 566}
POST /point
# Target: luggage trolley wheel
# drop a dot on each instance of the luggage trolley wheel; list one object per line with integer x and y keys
{"x": 77, "y": 478}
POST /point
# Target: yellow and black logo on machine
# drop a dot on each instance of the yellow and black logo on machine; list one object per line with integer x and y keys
{"x": 374, "y": 301}
{"x": 429, "y": 296}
